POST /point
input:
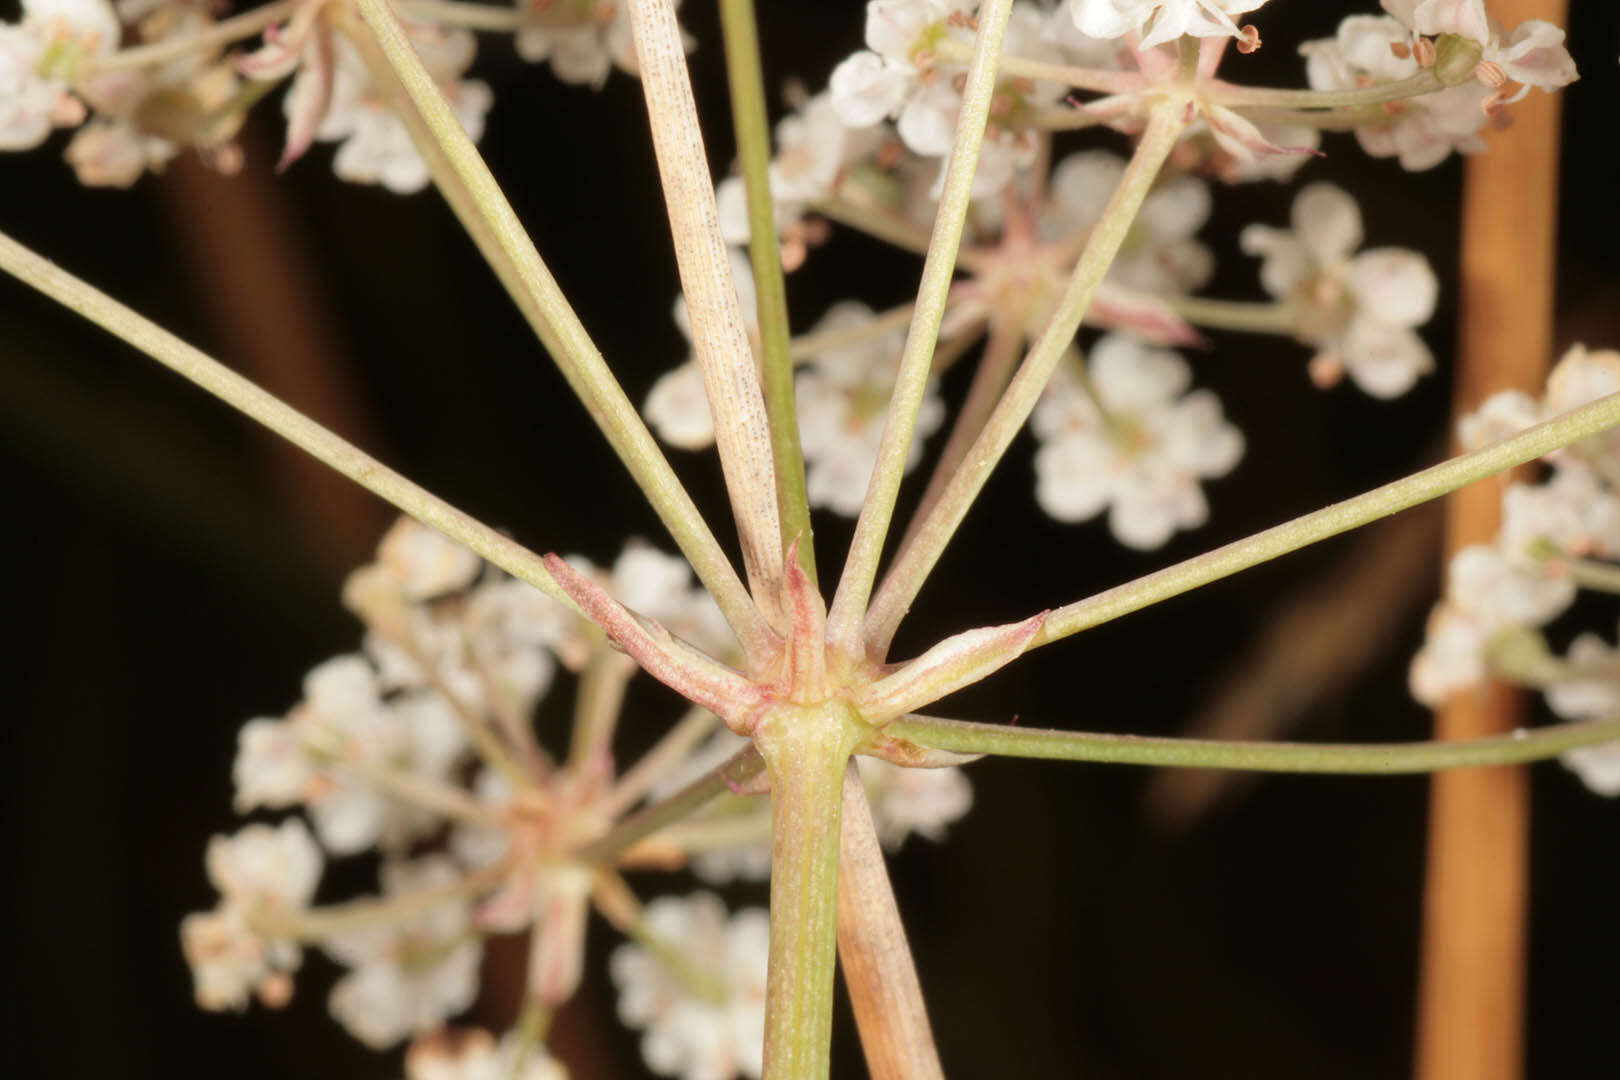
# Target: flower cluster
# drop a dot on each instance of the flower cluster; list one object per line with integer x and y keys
{"x": 423, "y": 746}
{"x": 176, "y": 87}
{"x": 868, "y": 153}
{"x": 1558, "y": 536}
{"x": 1358, "y": 311}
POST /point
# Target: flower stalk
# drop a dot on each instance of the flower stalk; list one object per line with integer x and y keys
{"x": 324, "y": 445}
{"x": 1520, "y": 746}
{"x": 1352, "y": 513}
{"x": 876, "y": 959}
{"x": 461, "y": 175}
{"x": 747, "y": 81}
{"x": 730, "y": 379}
{"x": 916, "y": 359}
{"x": 914, "y": 562}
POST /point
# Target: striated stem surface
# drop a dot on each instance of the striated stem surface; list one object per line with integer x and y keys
{"x": 878, "y": 969}
{"x": 719, "y": 337}
{"x": 806, "y": 750}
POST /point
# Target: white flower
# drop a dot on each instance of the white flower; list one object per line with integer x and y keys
{"x": 660, "y": 587}
{"x": 263, "y": 874}
{"x": 678, "y": 408}
{"x": 511, "y": 631}
{"x": 1506, "y": 591}
{"x": 1488, "y": 596}
{"x": 1532, "y": 55}
{"x": 921, "y": 801}
{"x": 843, "y": 396}
{"x": 1571, "y": 513}
{"x": 688, "y": 1035}
{"x": 1139, "y": 448}
{"x": 678, "y": 405}
{"x": 865, "y": 89}
{"x": 473, "y": 1054}
{"x": 1452, "y": 658}
{"x": 1420, "y": 131}
{"x": 902, "y": 78}
{"x": 1581, "y": 377}
{"x": 1501, "y": 416}
{"x": 1359, "y": 311}
{"x": 40, "y": 58}
{"x": 424, "y": 561}
{"x": 377, "y": 148}
{"x": 1160, "y": 255}
{"x": 1597, "y": 766}
{"x": 409, "y": 976}
{"x": 1592, "y": 688}
{"x": 587, "y": 52}
{"x": 343, "y": 720}
{"x": 1159, "y": 21}
{"x": 1591, "y": 691}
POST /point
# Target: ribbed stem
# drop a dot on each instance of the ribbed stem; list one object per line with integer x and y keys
{"x": 805, "y": 751}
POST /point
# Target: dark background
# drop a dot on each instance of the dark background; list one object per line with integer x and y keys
{"x": 174, "y": 571}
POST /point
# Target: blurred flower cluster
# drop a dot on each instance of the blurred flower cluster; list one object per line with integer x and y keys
{"x": 424, "y": 748}
{"x": 1559, "y": 535}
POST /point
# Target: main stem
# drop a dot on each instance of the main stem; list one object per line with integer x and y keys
{"x": 805, "y": 750}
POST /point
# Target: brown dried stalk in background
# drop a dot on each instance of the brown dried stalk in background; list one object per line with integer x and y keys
{"x": 1471, "y": 994}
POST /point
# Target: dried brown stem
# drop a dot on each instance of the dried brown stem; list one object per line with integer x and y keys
{"x": 1471, "y": 994}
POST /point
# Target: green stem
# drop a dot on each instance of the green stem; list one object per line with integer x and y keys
{"x": 1061, "y": 118}
{"x": 598, "y": 703}
{"x": 1243, "y": 316}
{"x": 747, "y": 79}
{"x": 1228, "y": 94}
{"x": 1001, "y": 352}
{"x": 1332, "y": 520}
{"x": 316, "y": 924}
{"x": 217, "y": 36}
{"x": 674, "y": 745}
{"x": 276, "y": 415}
{"x": 916, "y": 360}
{"x": 492, "y": 16}
{"x": 1373, "y": 758}
{"x": 1100, "y": 80}
{"x": 1592, "y": 574}
{"x": 805, "y": 750}
{"x": 742, "y": 767}
{"x": 808, "y": 345}
{"x": 884, "y": 224}
{"x": 479, "y": 203}
{"x": 621, "y": 908}
{"x": 915, "y": 560}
